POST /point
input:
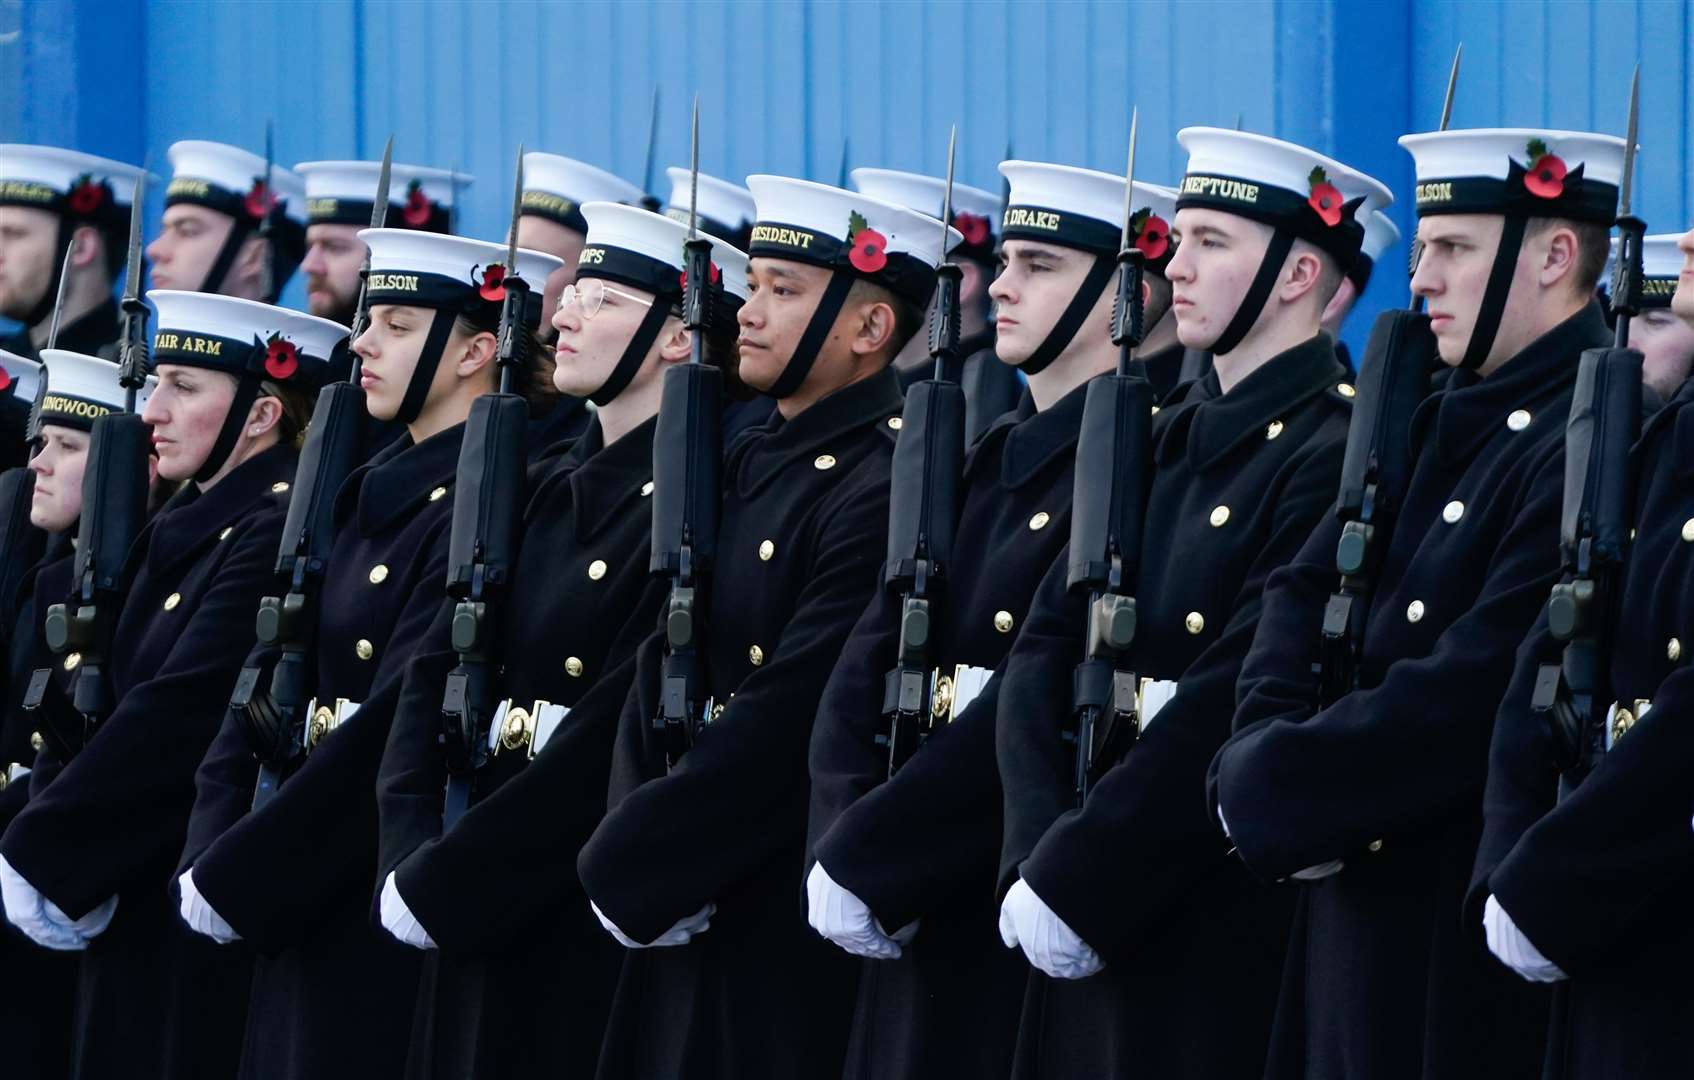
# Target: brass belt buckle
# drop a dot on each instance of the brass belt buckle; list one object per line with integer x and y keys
{"x": 518, "y": 730}
{"x": 324, "y": 719}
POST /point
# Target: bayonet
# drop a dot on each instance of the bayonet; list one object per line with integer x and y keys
{"x": 132, "y": 363}
{"x": 267, "y": 268}
{"x": 947, "y": 196}
{"x": 1626, "y": 282}
{"x": 59, "y": 301}
{"x": 648, "y": 199}
{"x": 379, "y": 217}
{"x": 1452, "y": 85}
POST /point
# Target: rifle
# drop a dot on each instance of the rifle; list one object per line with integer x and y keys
{"x": 687, "y": 456}
{"x": 273, "y": 715}
{"x": 923, "y": 510}
{"x": 487, "y": 504}
{"x": 267, "y": 224}
{"x": 1599, "y": 501}
{"x": 114, "y": 509}
{"x": 1376, "y": 470}
{"x": 1107, "y": 522}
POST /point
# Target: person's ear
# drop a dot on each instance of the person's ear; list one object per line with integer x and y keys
{"x": 477, "y": 355}
{"x": 1558, "y": 258}
{"x": 250, "y": 263}
{"x": 1304, "y": 272}
{"x": 264, "y": 414}
{"x": 875, "y": 329}
{"x": 85, "y": 246}
{"x": 676, "y": 343}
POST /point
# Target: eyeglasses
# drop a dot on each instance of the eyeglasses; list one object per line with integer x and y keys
{"x": 591, "y": 294}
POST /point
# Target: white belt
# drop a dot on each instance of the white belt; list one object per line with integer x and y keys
{"x": 1150, "y": 697}
{"x": 325, "y": 719}
{"x": 950, "y": 694}
{"x": 516, "y": 728}
{"x": 1620, "y": 718}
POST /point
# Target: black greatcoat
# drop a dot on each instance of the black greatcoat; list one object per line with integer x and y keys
{"x": 1382, "y": 979}
{"x": 332, "y": 991}
{"x": 153, "y": 998}
{"x": 94, "y": 334}
{"x": 36, "y": 985}
{"x": 1164, "y": 370}
{"x": 522, "y": 981}
{"x": 1603, "y": 883}
{"x": 803, "y": 531}
{"x": 946, "y": 1006}
{"x": 1192, "y": 944}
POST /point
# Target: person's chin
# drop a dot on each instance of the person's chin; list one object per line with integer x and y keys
{"x": 1194, "y": 334}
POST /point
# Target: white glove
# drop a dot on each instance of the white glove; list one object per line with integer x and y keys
{"x": 1052, "y": 946}
{"x": 398, "y": 919}
{"x": 680, "y": 934}
{"x": 199, "y": 914}
{"x": 846, "y": 920}
{"x": 1319, "y": 872}
{"x": 42, "y": 921}
{"x": 1514, "y": 948}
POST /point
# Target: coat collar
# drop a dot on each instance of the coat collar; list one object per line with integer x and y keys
{"x": 1164, "y": 369}
{"x": 1039, "y": 437}
{"x": 762, "y": 452}
{"x": 1469, "y": 410}
{"x": 191, "y": 517}
{"x": 1678, "y": 415}
{"x": 605, "y": 479}
{"x": 1208, "y": 425}
{"x": 399, "y": 480}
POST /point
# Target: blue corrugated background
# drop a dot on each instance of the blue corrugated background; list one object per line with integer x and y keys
{"x": 785, "y": 84}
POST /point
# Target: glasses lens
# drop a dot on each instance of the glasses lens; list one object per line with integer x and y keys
{"x": 591, "y": 294}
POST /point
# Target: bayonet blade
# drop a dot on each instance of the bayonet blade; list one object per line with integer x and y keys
{"x": 1238, "y": 120}
{"x": 1452, "y": 85}
{"x": 267, "y": 269}
{"x": 1129, "y": 181}
{"x": 841, "y": 177}
{"x": 132, "y": 271}
{"x": 947, "y": 196}
{"x": 59, "y": 301}
{"x": 653, "y": 140}
{"x": 379, "y": 209}
{"x": 694, "y": 171}
{"x": 1625, "y": 189}
{"x": 517, "y": 209}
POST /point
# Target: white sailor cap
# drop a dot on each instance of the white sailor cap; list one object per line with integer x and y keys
{"x": 1082, "y": 208}
{"x": 83, "y": 388}
{"x": 244, "y": 338}
{"x": 1280, "y": 184}
{"x": 452, "y": 272}
{"x": 640, "y": 248}
{"x": 880, "y": 241}
{"x": 555, "y": 187}
{"x": 231, "y": 181}
{"x": 344, "y": 193}
{"x": 1661, "y": 266}
{"x": 66, "y": 182}
{"x": 19, "y": 375}
{"x": 726, "y": 209}
{"x": 1380, "y": 234}
{"x": 976, "y": 213}
{"x": 1519, "y": 171}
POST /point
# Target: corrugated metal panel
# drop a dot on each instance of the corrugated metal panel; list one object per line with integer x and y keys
{"x": 783, "y": 84}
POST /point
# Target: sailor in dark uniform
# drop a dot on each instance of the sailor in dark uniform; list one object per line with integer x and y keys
{"x": 945, "y": 1002}
{"x": 695, "y": 868}
{"x": 96, "y": 843}
{"x": 1591, "y": 892}
{"x": 1155, "y": 953}
{"x": 339, "y": 199}
{"x": 519, "y": 975}
{"x": 35, "y": 1024}
{"x": 19, "y": 378}
{"x": 1664, "y": 339}
{"x": 554, "y": 190}
{"x": 55, "y": 201}
{"x": 1374, "y": 802}
{"x": 1380, "y": 234}
{"x": 331, "y": 993}
{"x": 216, "y": 205}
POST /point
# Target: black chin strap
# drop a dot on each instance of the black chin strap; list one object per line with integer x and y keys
{"x": 806, "y": 353}
{"x": 239, "y": 230}
{"x": 1247, "y": 313}
{"x": 429, "y": 359}
{"x": 633, "y": 354}
{"x": 1071, "y": 319}
{"x": 1495, "y": 292}
{"x": 43, "y": 309}
{"x": 246, "y": 392}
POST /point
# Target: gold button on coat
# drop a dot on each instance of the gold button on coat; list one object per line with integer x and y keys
{"x": 1673, "y": 650}
{"x": 1518, "y": 420}
{"x": 756, "y": 655}
{"x": 1220, "y": 515}
{"x": 438, "y": 494}
{"x": 364, "y": 649}
{"x": 573, "y": 667}
{"x": 172, "y": 601}
{"x": 766, "y": 550}
{"x": 1274, "y": 430}
{"x": 72, "y": 661}
{"x": 225, "y": 534}
{"x": 1375, "y": 845}
{"x": 1040, "y": 520}
{"x": 596, "y": 569}
{"x": 824, "y": 462}
{"x": 1452, "y": 512}
{"x": 647, "y": 488}
{"x": 1195, "y": 622}
{"x": 1414, "y": 611}
{"x": 896, "y": 423}
{"x": 379, "y": 574}
{"x": 36, "y": 742}
{"x": 1346, "y": 390}
{"x": 1688, "y": 530}
{"x": 280, "y": 486}
{"x": 1003, "y": 621}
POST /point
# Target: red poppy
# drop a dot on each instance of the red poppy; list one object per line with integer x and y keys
{"x": 1325, "y": 200}
{"x": 5, "y": 379}
{"x": 1546, "y": 177}
{"x": 259, "y": 200}
{"x": 870, "y": 251}
{"x": 86, "y": 197}
{"x": 1153, "y": 238}
{"x": 973, "y": 226}
{"x": 282, "y": 359}
{"x": 418, "y": 209}
{"x": 493, "y": 285}
{"x": 714, "y": 277}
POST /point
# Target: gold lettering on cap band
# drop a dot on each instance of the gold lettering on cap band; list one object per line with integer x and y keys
{"x": 322, "y": 208}
{"x": 1220, "y": 188}
{"x": 1019, "y": 218}
{"x": 27, "y": 191}
{"x": 1427, "y": 194}
{"x": 547, "y": 203}
{"x": 591, "y": 256}
{"x": 67, "y": 406}
{"x": 394, "y": 282}
{"x": 187, "y": 343}
{"x": 194, "y": 189}
{"x": 773, "y": 234}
